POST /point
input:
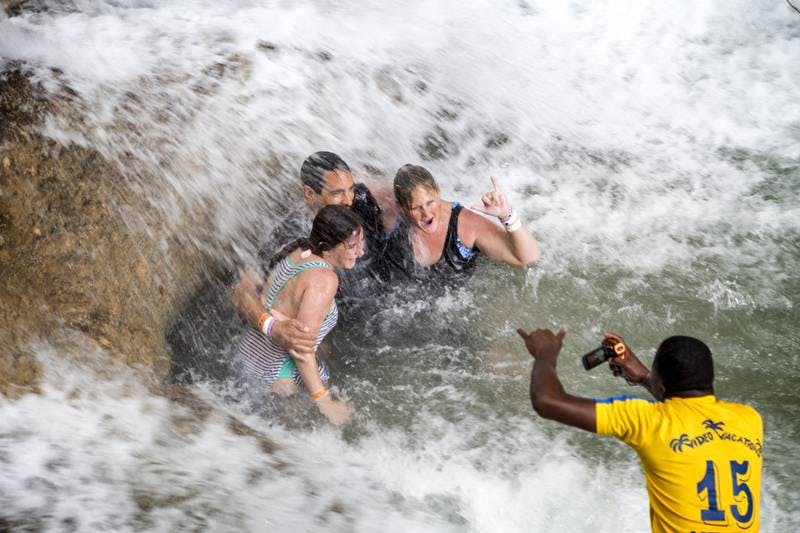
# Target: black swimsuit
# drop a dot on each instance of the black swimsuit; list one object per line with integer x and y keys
{"x": 453, "y": 268}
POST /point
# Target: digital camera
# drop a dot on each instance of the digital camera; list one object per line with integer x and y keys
{"x": 611, "y": 347}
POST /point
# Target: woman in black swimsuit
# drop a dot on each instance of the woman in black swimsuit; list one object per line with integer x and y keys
{"x": 438, "y": 241}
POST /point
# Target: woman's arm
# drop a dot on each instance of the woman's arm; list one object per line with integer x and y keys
{"x": 517, "y": 248}
{"x": 318, "y": 291}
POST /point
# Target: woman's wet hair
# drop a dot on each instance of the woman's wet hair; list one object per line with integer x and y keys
{"x": 684, "y": 364}
{"x": 408, "y": 178}
{"x": 312, "y": 172}
{"x": 333, "y": 225}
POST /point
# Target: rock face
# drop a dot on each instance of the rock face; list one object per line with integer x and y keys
{"x": 67, "y": 257}
{"x": 11, "y": 6}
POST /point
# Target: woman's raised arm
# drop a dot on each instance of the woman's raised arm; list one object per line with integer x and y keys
{"x": 512, "y": 243}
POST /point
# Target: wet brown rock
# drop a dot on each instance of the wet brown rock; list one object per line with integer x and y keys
{"x": 19, "y": 373}
{"x": 72, "y": 266}
{"x": 12, "y": 7}
{"x": 68, "y": 257}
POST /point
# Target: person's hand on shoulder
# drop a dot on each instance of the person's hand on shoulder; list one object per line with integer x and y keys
{"x": 543, "y": 344}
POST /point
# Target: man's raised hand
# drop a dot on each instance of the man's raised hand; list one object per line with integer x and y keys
{"x": 543, "y": 344}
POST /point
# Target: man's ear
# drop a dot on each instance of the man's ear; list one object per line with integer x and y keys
{"x": 659, "y": 390}
{"x": 310, "y": 196}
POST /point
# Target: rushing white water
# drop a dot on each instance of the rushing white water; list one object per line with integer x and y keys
{"x": 653, "y": 150}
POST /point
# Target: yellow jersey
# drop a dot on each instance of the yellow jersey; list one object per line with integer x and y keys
{"x": 701, "y": 459}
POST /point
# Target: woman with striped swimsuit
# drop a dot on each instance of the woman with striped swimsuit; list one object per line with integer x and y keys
{"x": 302, "y": 285}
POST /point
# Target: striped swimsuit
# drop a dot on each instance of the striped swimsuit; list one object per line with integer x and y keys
{"x": 263, "y": 356}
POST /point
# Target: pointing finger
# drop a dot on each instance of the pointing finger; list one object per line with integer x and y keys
{"x": 521, "y": 333}
{"x": 495, "y": 185}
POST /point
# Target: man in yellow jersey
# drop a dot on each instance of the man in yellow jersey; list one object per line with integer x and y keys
{"x": 701, "y": 456}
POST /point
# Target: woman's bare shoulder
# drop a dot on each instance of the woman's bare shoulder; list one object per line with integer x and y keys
{"x": 471, "y": 224}
{"x": 320, "y": 277}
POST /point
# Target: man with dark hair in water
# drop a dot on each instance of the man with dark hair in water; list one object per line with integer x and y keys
{"x": 701, "y": 456}
{"x": 325, "y": 180}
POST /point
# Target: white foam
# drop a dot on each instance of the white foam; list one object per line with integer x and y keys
{"x": 614, "y": 116}
{"x": 109, "y": 455}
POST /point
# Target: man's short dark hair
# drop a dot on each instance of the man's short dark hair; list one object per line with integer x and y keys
{"x": 684, "y": 364}
{"x": 316, "y": 165}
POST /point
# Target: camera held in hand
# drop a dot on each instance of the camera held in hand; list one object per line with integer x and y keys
{"x": 611, "y": 347}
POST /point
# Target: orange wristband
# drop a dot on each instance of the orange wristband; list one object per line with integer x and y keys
{"x": 261, "y": 319}
{"x": 316, "y": 395}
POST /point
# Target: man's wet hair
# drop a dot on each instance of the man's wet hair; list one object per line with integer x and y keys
{"x": 408, "y": 178}
{"x": 684, "y": 364}
{"x": 312, "y": 172}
